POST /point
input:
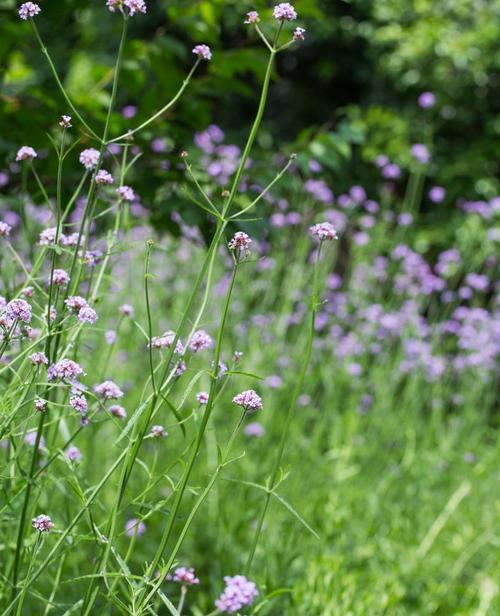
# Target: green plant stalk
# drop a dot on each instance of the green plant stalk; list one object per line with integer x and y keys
{"x": 66, "y": 532}
{"x": 159, "y": 113}
{"x": 289, "y": 416}
{"x": 58, "y": 81}
{"x": 39, "y": 433}
{"x": 253, "y": 134}
{"x": 179, "y": 491}
{"x": 222, "y": 463}
{"x": 132, "y": 449}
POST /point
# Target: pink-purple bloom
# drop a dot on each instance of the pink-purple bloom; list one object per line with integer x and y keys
{"x": 103, "y": 177}
{"x": 118, "y": 411}
{"x": 26, "y": 152}
{"x": 203, "y": 52}
{"x": 39, "y": 359}
{"x": 426, "y": 100}
{"x": 202, "y": 397}
{"x": 28, "y": 10}
{"x": 158, "y": 431}
{"x": 323, "y": 231}
{"x": 185, "y": 576}
{"x": 60, "y": 278}
{"x": 42, "y": 523}
{"x": 73, "y": 454}
{"x": 89, "y": 158}
{"x": 200, "y": 341}
{"x": 252, "y": 18}
{"x": 65, "y": 369}
{"x": 87, "y": 315}
{"x": 437, "y": 194}
{"x": 126, "y": 193}
{"x": 108, "y": 390}
{"x": 134, "y": 527}
{"x": 5, "y": 229}
{"x": 284, "y": 11}
{"x": 254, "y": 429}
{"x": 133, "y": 6}
{"x": 299, "y": 34}
{"x": 420, "y": 153}
{"x": 240, "y": 241}
{"x": 238, "y": 593}
{"x": 18, "y": 310}
{"x": 249, "y": 400}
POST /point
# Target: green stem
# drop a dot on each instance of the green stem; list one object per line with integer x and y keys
{"x": 181, "y": 487}
{"x": 252, "y": 136}
{"x": 58, "y": 81}
{"x": 170, "y": 104}
{"x": 289, "y": 416}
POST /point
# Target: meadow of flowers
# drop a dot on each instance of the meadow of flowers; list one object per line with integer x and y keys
{"x": 288, "y": 408}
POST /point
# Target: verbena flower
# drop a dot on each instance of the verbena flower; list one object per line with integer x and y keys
{"x": 299, "y": 34}
{"x": 184, "y": 575}
{"x": 40, "y": 405}
{"x": 238, "y": 593}
{"x": 200, "y": 341}
{"x": 240, "y": 241}
{"x": 65, "y": 121}
{"x": 118, "y": 411}
{"x": 30, "y": 439}
{"x": 89, "y": 158}
{"x": 110, "y": 336}
{"x": 252, "y": 17}
{"x": 79, "y": 402}
{"x": 18, "y": 309}
{"x": 323, "y": 231}
{"x": 103, "y": 177}
{"x": 249, "y": 400}
{"x": 64, "y": 369}
{"x": 108, "y": 390}
{"x": 165, "y": 341}
{"x": 73, "y": 454}
{"x": 39, "y": 359}
{"x": 254, "y": 429}
{"x": 5, "y": 229}
{"x": 26, "y": 152}
{"x": 133, "y": 6}
{"x": 158, "y": 431}
{"x": 426, "y": 100}
{"x": 75, "y": 303}
{"x": 437, "y": 194}
{"x": 42, "y": 523}
{"x": 87, "y": 315}
{"x": 203, "y": 52}
{"x": 126, "y": 310}
{"x": 126, "y": 193}
{"x": 29, "y": 9}
{"x": 47, "y": 237}
{"x": 202, "y": 397}
{"x": 420, "y": 153}
{"x": 134, "y": 527}
{"x": 60, "y": 278}
{"x": 284, "y": 11}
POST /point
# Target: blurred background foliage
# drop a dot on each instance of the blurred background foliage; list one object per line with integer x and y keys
{"x": 344, "y": 96}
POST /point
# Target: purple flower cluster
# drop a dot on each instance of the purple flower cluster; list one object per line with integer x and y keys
{"x": 200, "y": 341}
{"x": 249, "y": 400}
{"x": 64, "y": 370}
{"x": 28, "y": 10}
{"x": 238, "y": 593}
{"x": 108, "y": 390}
{"x": 184, "y": 575}
{"x": 42, "y": 523}
{"x": 284, "y": 11}
{"x": 203, "y": 52}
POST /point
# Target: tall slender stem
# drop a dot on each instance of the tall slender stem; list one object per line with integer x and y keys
{"x": 289, "y": 416}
